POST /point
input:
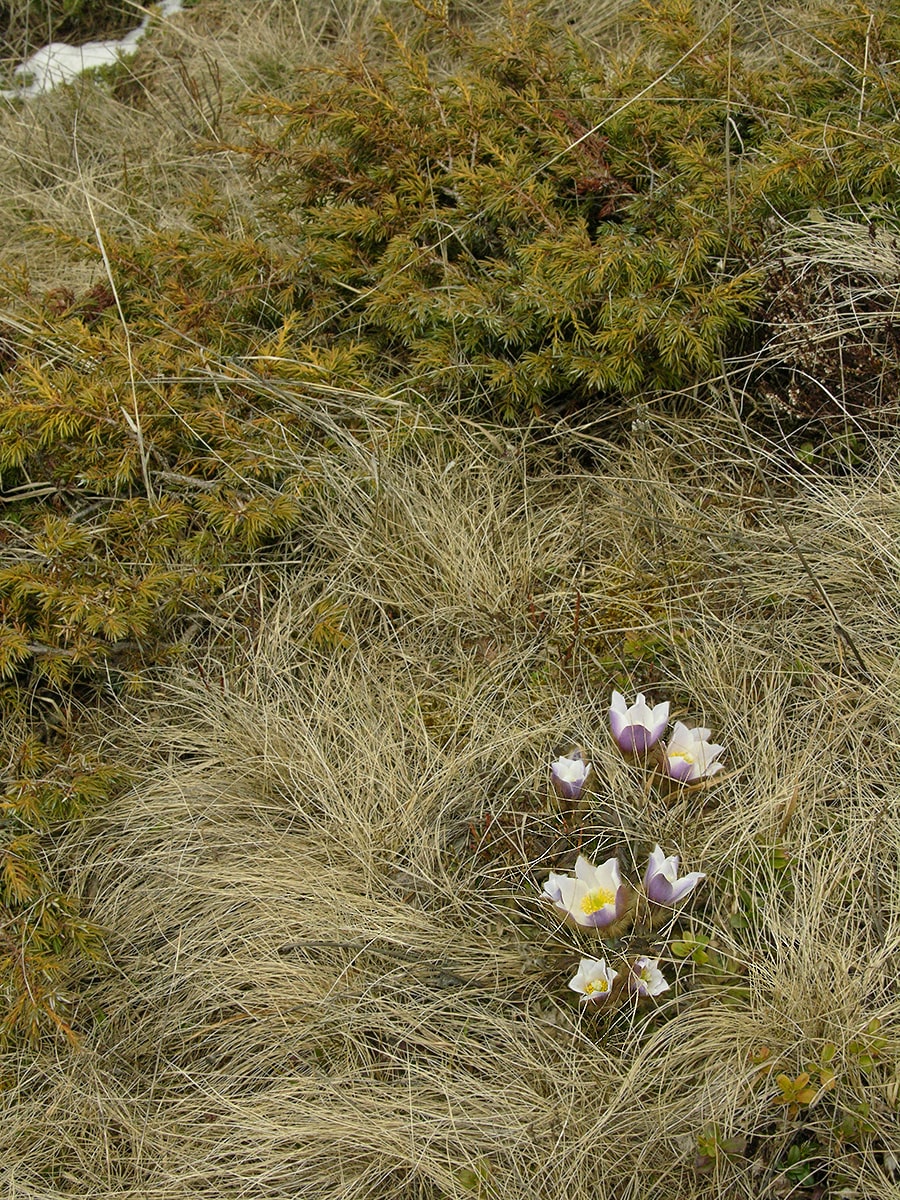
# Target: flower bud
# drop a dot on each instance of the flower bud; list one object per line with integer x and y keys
{"x": 569, "y": 775}
{"x": 661, "y": 881}
{"x": 639, "y": 727}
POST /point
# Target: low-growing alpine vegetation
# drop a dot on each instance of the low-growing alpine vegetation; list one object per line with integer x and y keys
{"x": 447, "y": 608}
{"x": 509, "y": 225}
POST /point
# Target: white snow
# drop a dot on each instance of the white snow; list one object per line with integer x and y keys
{"x": 59, "y": 62}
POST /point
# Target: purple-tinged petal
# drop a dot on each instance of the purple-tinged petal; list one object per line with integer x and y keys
{"x": 594, "y": 980}
{"x": 618, "y": 715}
{"x": 661, "y": 881}
{"x": 690, "y": 755}
{"x": 564, "y": 789}
{"x": 569, "y": 774}
{"x": 686, "y": 884}
{"x": 638, "y": 728}
{"x": 635, "y": 739}
{"x": 661, "y": 891}
{"x": 601, "y": 918}
{"x": 646, "y": 978}
{"x": 679, "y": 770}
{"x": 655, "y": 863}
{"x": 553, "y": 887}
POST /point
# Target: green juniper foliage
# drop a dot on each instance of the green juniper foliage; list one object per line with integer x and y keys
{"x": 472, "y": 232}
{"x": 534, "y": 227}
{"x": 508, "y": 224}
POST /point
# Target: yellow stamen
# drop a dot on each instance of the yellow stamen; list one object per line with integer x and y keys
{"x": 683, "y": 754}
{"x": 599, "y": 985}
{"x": 594, "y": 901}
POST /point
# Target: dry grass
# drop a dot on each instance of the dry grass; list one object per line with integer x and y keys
{"x": 329, "y": 973}
{"x": 321, "y": 984}
{"x": 135, "y": 146}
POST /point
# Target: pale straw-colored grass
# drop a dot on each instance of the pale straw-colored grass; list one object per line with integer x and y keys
{"x": 316, "y": 986}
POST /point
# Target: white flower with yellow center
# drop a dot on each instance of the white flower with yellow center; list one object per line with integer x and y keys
{"x": 595, "y": 897}
{"x": 594, "y": 980}
{"x": 690, "y": 755}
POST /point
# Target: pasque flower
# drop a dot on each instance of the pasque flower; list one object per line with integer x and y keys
{"x": 690, "y": 755}
{"x": 594, "y": 980}
{"x": 646, "y": 978}
{"x": 595, "y": 897}
{"x": 661, "y": 881}
{"x": 569, "y": 774}
{"x": 639, "y": 727}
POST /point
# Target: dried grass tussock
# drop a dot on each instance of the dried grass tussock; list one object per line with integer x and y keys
{"x": 330, "y": 973}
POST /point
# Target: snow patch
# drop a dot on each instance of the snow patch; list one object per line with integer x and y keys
{"x": 60, "y": 63}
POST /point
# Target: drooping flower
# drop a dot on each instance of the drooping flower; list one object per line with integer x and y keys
{"x": 569, "y": 774}
{"x": 594, "y": 898}
{"x": 661, "y": 880}
{"x": 639, "y": 727}
{"x": 594, "y": 980}
{"x": 646, "y": 978}
{"x": 690, "y": 755}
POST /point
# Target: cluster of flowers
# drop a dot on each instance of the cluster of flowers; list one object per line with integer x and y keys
{"x": 597, "y": 897}
{"x": 687, "y": 757}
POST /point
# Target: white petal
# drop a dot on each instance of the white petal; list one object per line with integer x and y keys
{"x": 654, "y": 863}
{"x": 657, "y": 859}
{"x": 569, "y": 770}
{"x": 568, "y": 893}
{"x": 552, "y": 887}
{"x": 686, "y": 884}
{"x": 608, "y": 876}
{"x": 639, "y": 713}
{"x": 680, "y": 740}
{"x": 586, "y": 871}
{"x": 669, "y": 869}
{"x": 580, "y": 979}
